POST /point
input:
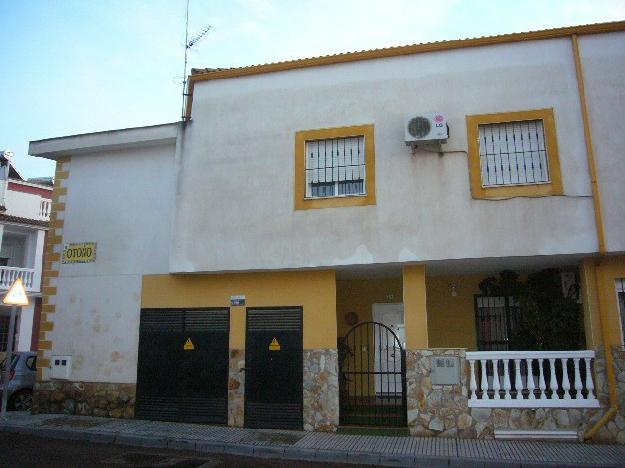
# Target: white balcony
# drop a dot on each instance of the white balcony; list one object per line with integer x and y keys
{"x": 45, "y": 206}
{"x": 29, "y": 277}
{"x": 28, "y": 205}
{"x": 531, "y": 379}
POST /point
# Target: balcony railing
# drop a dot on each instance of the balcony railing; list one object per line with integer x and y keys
{"x": 44, "y": 209}
{"x": 531, "y": 379}
{"x": 8, "y": 275}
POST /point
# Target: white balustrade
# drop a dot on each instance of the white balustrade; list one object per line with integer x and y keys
{"x": 44, "y": 209}
{"x": 8, "y": 275}
{"x": 531, "y": 379}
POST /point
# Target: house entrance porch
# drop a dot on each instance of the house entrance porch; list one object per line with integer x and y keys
{"x": 525, "y": 347}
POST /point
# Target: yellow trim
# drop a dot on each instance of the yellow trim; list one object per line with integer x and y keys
{"x": 396, "y": 52}
{"x": 50, "y": 257}
{"x": 606, "y": 271}
{"x": 45, "y": 344}
{"x": 415, "y": 307}
{"x": 301, "y": 137}
{"x": 314, "y": 290}
{"x": 596, "y": 195}
{"x": 554, "y": 187}
{"x": 46, "y": 326}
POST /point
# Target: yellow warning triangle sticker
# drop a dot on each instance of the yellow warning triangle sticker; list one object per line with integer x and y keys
{"x": 274, "y": 345}
{"x": 16, "y": 295}
{"x": 189, "y": 346}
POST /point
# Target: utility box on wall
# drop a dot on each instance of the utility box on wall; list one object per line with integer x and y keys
{"x": 445, "y": 370}
{"x": 61, "y": 367}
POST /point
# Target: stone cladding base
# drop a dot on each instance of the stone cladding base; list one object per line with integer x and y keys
{"x": 442, "y": 410}
{"x": 114, "y": 400}
{"x": 321, "y": 390}
{"x": 236, "y": 388}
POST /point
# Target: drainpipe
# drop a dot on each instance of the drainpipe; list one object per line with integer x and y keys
{"x": 609, "y": 363}
{"x": 596, "y": 196}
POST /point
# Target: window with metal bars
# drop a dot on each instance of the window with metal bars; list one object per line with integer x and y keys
{"x": 497, "y": 318}
{"x": 513, "y": 153}
{"x": 620, "y": 292}
{"x": 335, "y": 167}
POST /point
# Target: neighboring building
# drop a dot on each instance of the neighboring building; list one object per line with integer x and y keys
{"x": 24, "y": 218}
{"x": 284, "y": 259}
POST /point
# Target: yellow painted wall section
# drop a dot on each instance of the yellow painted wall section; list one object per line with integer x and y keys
{"x": 608, "y": 271}
{"x": 590, "y": 301}
{"x": 415, "y": 307}
{"x": 315, "y": 291}
{"x": 359, "y": 296}
{"x": 451, "y": 319}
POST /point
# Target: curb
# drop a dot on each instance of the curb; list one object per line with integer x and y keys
{"x": 277, "y": 452}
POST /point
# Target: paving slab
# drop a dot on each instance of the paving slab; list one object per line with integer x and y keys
{"x": 311, "y": 446}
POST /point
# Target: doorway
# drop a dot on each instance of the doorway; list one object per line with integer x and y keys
{"x": 274, "y": 368}
{"x": 182, "y": 370}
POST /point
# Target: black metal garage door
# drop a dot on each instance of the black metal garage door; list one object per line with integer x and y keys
{"x": 273, "y": 363}
{"x": 182, "y": 372}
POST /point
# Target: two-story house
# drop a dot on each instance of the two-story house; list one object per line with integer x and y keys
{"x": 300, "y": 253}
{"x": 24, "y": 215}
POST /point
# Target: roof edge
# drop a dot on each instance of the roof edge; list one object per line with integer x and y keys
{"x": 53, "y": 148}
{"x": 215, "y": 74}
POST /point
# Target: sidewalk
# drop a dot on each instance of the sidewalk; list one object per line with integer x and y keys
{"x": 321, "y": 447}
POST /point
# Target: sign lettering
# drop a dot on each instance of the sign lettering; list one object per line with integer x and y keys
{"x": 84, "y": 252}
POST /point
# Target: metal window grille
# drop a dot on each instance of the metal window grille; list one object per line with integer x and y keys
{"x": 620, "y": 292}
{"x": 497, "y": 319}
{"x": 513, "y": 153}
{"x": 335, "y": 167}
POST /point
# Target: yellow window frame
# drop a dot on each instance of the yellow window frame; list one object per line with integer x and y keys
{"x": 301, "y": 137}
{"x": 553, "y": 187}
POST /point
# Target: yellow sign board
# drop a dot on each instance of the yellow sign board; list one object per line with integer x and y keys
{"x": 16, "y": 294}
{"x": 189, "y": 346}
{"x": 274, "y": 345}
{"x": 83, "y": 252}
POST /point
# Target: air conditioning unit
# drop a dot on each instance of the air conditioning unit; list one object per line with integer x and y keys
{"x": 427, "y": 127}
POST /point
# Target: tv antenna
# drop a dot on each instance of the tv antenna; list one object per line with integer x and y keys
{"x": 188, "y": 43}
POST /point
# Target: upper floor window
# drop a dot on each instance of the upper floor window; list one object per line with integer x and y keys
{"x": 335, "y": 167}
{"x": 513, "y": 154}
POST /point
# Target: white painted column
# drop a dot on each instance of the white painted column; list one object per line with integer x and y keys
{"x": 25, "y": 326}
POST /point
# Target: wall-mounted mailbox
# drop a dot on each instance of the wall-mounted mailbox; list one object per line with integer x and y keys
{"x": 445, "y": 370}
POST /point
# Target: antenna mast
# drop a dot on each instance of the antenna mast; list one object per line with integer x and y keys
{"x": 187, "y": 45}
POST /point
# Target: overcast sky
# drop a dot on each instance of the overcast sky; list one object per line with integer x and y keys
{"x": 71, "y": 67}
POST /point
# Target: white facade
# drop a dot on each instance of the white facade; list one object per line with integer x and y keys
{"x": 122, "y": 200}
{"x": 217, "y": 194}
{"x": 238, "y": 164}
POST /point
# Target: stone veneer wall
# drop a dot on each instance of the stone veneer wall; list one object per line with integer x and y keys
{"x": 613, "y": 431}
{"x": 113, "y": 400}
{"x": 321, "y": 390}
{"x": 442, "y": 410}
{"x": 236, "y": 388}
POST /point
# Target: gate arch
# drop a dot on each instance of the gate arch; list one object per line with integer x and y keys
{"x": 372, "y": 377}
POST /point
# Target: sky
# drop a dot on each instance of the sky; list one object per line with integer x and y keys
{"x": 77, "y": 66}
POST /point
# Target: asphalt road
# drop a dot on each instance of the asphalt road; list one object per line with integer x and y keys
{"x": 18, "y": 450}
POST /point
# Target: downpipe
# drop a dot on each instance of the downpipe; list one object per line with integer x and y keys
{"x": 609, "y": 364}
